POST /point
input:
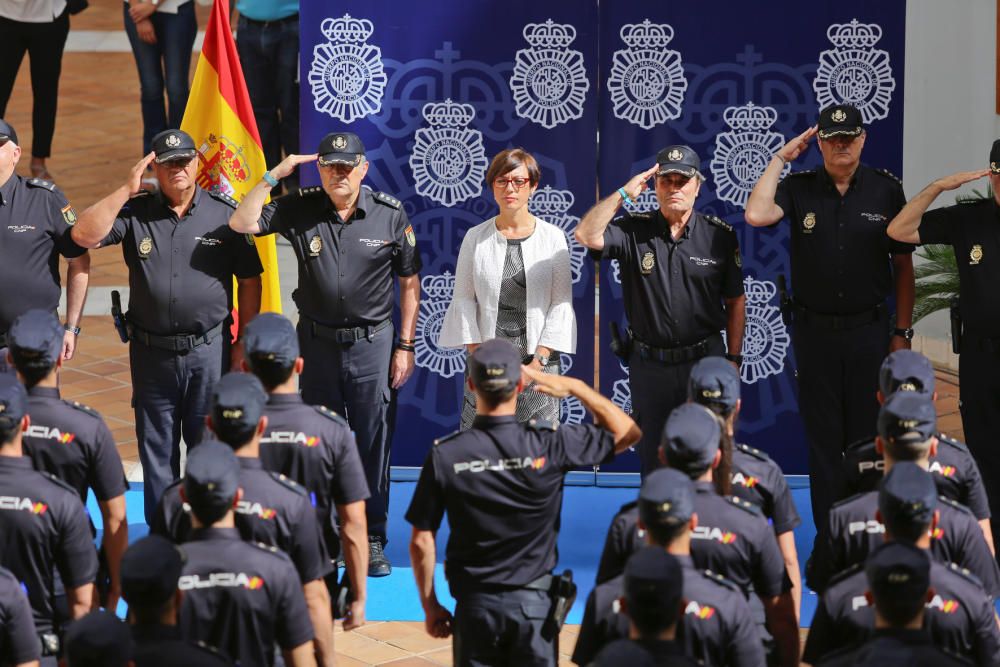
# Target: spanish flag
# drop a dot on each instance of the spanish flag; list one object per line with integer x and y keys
{"x": 220, "y": 120}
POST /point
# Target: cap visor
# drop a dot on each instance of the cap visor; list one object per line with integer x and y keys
{"x": 350, "y": 159}
{"x": 851, "y": 131}
{"x": 994, "y": 168}
{"x": 178, "y": 154}
{"x": 683, "y": 171}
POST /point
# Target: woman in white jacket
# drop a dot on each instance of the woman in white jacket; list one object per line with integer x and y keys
{"x": 513, "y": 281}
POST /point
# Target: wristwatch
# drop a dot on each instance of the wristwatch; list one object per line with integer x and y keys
{"x": 542, "y": 359}
{"x": 269, "y": 179}
{"x": 69, "y": 327}
{"x": 906, "y": 334}
{"x": 735, "y": 358}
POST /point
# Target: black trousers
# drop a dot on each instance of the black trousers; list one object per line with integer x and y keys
{"x": 501, "y": 629}
{"x": 44, "y": 43}
{"x": 979, "y": 394}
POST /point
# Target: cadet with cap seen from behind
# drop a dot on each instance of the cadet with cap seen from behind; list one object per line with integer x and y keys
{"x": 99, "y": 639}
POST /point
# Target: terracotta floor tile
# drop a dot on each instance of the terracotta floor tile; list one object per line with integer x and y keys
{"x": 440, "y": 657}
{"x": 414, "y": 661}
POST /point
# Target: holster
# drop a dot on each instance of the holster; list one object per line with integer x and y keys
{"x": 956, "y": 324}
{"x": 621, "y": 347}
{"x": 784, "y": 300}
{"x": 121, "y": 323}
{"x": 563, "y": 592}
{"x": 341, "y": 593}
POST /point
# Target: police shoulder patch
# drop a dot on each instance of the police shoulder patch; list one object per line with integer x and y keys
{"x": 752, "y": 451}
{"x": 542, "y": 425}
{"x": 59, "y": 482}
{"x": 849, "y": 499}
{"x": 952, "y": 442}
{"x": 289, "y": 483}
{"x": 719, "y": 579}
{"x": 446, "y": 438}
{"x": 41, "y": 183}
{"x": 330, "y": 414}
{"x": 388, "y": 200}
{"x": 965, "y": 573}
{"x": 744, "y": 505}
{"x": 954, "y": 504}
{"x": 845, "y": 574}
{"x": 224, "y": 198}
{"x": 306, "y": 192}
{"x": 719, "y": 222}
{"x": 888, "y": 174}
{"x": 83, "y": 408}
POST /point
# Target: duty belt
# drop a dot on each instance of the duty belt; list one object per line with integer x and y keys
{"x": 176, "y": 342}
{"x": 672, "y": 355}
{"x": 984, "y": 343}
{"x": 348, "y": 334}
{"x": 837, "y": 322}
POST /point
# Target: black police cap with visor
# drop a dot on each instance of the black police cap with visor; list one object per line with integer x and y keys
{"x": 171, "y": 145}
{"x": 341, "y": 148}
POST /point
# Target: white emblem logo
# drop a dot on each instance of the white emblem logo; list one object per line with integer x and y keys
{"x": 553, "y": 206}
{"x": 854, "y": 72}
{"x": 443, "y": 361}
{"x": 766, "y": 340}
{"x": 741, "y": 156}
{"x": 647, "y": 81}
{"x": 173, "y": 141}
{"x": 347, "y": 77}
{"x": 448, "y": 160}
{"x": 549, "y": 82}
{"x": 621, "y": 391}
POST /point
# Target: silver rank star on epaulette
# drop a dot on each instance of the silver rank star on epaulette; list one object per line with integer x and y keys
{"x": 889, "y": 174}
{"x": 719, "y": 222}
{"x": 386, "y": 199}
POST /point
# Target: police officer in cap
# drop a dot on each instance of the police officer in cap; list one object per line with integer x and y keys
{"x": 349, "y": 242}
{"x": 959, "y": 616}
{"x": 150, "y": 570}
{"x": 43, "y": 527}
{"x": 501, "y": 484}
{"x": 969, "y": 228}
{"x": 273, "y": 509}
{"x": 754, "y": 476}
{"x": 35, "y": 223}
{"x": 69, "y": 439}
{"x": 844, "y": 269}
{"x": 243, "y": 597}
{"x": 906, "y": 435}
{"x": 182, "y": 258}
{"x": 98, "y": 639}
{"x": 17, "y": 629}
{"x": 682, "y": 283}
{"x": 955, "y": 471}
{"x": 716, "y": 626}
{"x": 314, "y": 446}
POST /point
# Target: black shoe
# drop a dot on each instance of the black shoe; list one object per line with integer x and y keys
{"x": 378, "y": 564}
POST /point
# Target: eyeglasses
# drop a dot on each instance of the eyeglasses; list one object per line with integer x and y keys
{"x": 518, "y": 183}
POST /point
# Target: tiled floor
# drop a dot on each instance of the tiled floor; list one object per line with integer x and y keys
{"x": 97, "y": 141}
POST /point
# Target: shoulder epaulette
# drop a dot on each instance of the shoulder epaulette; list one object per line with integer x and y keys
{"x": 752, "y": 451}
{"x": 208, "y": 648}
{"x": 806, "y": 172}
{"x": 274, "y": 551}
{"x": 41, "y": 183}
{"x": 942, "y": 438}
{"x": 388, "y": 200}
{"x": 744, "y": 505}
{"x": 844, "y": 574}
{"x": 55, "y": 480}
{"x": 446, "y": 438}
{"x": 719, "y": 222}
{"x": 888, "y": 174}
{"x": 289, "y": 483}
{"x": 542, "y": 425}
{"x": 305, "y": 192}
{"x": 224, "y": 198}
{"x": 717, "y": 578}
{"x": 83, "y": 408}
{"x": 140, "y": 194}
{"x": 848, "y": 499}
{"x": 330, "y": 414}
{"x": 641, "y": 215}
{"x": 627, "y": 507}
{"x": 965, "y": 574}
{"x": 860, "y": 443}
{"x": 954, "y": 504}
{"x": 968, "y": 201}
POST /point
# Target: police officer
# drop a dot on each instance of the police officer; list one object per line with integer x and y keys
{"x": 243, "y": 597}
{"x": 501, "y": 484}
{"x": 182, "y": 257}
{"x": 313, "y": 446}
{"x": 969, "y": 229}
{"x": 43, "y": 527}
{"x": 906, "y": 437}
{"x": 960, "y": 615}
{"x": 716, "y": 626}
{"x": 17, "y": 629}
{"x": 844, "y": 268}
{"x": 955, "y": 471}
{"x": 715, "y": 383}
{"x": 349, "y": 242}
{"x": 98, "y": 639}
{"x": 274, "y": 510}
{"x": 69, "y": 439}
{"x": 150, "y": 571}
{"x": 682, "y": 283}
{"x": 35, "y": 223}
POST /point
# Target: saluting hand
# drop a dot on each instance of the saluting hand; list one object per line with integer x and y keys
{"x": 135, "y": 176}
{"x": 557, "y": 386}
{"x": 288, "y": 165}
{"x": 797, "y": 146}
{"x": 640, "y": 182}
{"x": 960, "y": 179}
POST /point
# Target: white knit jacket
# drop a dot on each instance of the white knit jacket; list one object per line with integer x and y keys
{"x": 472, "y": 313}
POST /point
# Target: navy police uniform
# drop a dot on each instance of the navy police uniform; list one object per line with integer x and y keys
{"x": 896, "y": 647}
{"x": 98, "y": 638}
{"x": 673, "y": 291}
{"x": 18, "y": 640}
{"x": 842, "y": 277}
{"x": 345, "y": 296}
{"x": 180, "y": 275}
{"x": 642, "y": 653}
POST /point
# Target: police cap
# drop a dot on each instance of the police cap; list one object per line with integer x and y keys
{"x": 211, "y": 479}
{"x": 238, "y": 401}
{"x": 150, "y": 569}
{"x": 678, "y": 159}
{"x": 173, "y": 145}
{"x": 271, "y": 337}
{"x": 906, "y": 370}
{"x": 495, "y": 367}
{"x": 341, "y": 148}
{"x": 7, "y": 132}
{"x": 98, "y": 639}
{"x": 994, "y": 157}
{"x": 898, "y": 576}
{"x": 714, "y": 382}
{"x": 13, "y": 401}
{"x": 654, "y": 582}
{"x": 691, "y": 438}
{"x": 840, "y": 119}
{"x": 35, "y": 339}
{"x": 907, "y": 497}
{"x": 666, "y": 498}
{"x": 907, "y": 418}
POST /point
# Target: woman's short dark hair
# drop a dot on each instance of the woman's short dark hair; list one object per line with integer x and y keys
{"x": 508, "y": 160}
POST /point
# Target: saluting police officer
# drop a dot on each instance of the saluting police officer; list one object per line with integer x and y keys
{"x": 150, "y": 570}
{"x": 69, "y": 439}
{"x": 243, "y": 597}
{"x": 754, "y": 476}
{"x": 43, "y": 528}
{"x": 725, "y": 635}
{"x": 274, "y": 510}
{"x": 349, "y": 242}
{"x": 960, "y": 616}
{"x": 35, "y": 223}
{"x": 682, "y": 283}
{"x": 955, "y": 471}
{"x": 314, "y": 446}
{"x": 970, "y": 229}
{"x": 906, "y": 437}
{"x": 844, "y": 268}
{"x": 17, "y": 629}
{"x": 182, "y": 258}
{"x": 501, "y": 484}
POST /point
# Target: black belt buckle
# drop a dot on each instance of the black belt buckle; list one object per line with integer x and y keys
{"x": 345, "y": 335}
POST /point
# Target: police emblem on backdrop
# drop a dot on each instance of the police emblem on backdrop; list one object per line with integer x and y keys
{"x": 145, "y": 247}
{"x": 765, "y": 338}
{"x": 445, "y": 362}
{"x": 346, "y": 76}
{"x": 571, "y": 410}
{"x": 854, "y": 72}
{"x": 646, "y": 82}
{"x": 315, "y": 246}
{"x": 553, "y": 206}
{"x": 742, "y": 155}
{"x": 448, "y": 160}
{"x": 808, "y": 222}
{"x": 549, "y": 83}
{"x": 976, "y": 254}
{"x": 621, "y": 392}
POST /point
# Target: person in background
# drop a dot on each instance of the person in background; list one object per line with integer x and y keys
{"x": 98, "y": 639}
